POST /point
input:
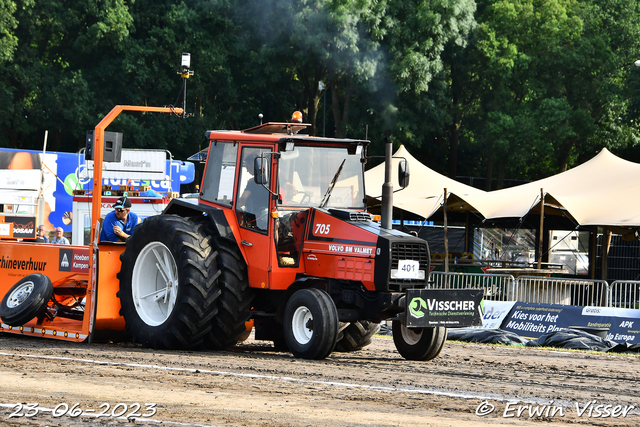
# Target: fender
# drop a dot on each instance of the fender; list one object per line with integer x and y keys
{"x": 185, "y": 208}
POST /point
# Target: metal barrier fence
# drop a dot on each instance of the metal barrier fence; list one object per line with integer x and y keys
{"x": 557, "y": 290}
{"x": 544, "y": 290}
{"x": 624, "y": 294}
{"x": 497, "y": 287}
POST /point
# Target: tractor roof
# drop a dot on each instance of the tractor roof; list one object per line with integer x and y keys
{"x": 273, "y": 132}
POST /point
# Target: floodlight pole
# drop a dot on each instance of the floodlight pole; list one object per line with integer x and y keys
{"x": 321, "y": 87}
{"x": 185, "y": 73}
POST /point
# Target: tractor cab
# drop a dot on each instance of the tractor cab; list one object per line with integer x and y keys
{"x": 273, "y": 179}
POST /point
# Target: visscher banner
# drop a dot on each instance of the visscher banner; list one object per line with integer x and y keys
{"x": 454, "y": 308}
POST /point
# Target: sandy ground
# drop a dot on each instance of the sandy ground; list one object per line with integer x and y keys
{"x": 253, "y": 385}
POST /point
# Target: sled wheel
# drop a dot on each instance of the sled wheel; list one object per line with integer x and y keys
{"x": 311, "y": 324}
{"x": 244, "y": 336}
{"x": 26, "y": 299}
{"x": 357, "y": 335}
{"x": 418, "y": 343}
{"x": 234, "y": 304}
{"x": 167, "y": 283}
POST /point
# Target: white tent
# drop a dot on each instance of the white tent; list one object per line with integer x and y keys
{"x": 425, "y": 193}
{"x": 599, "y": 192}
{"x": 603, "y": 191}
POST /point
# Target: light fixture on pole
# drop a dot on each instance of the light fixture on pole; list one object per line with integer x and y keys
{"x": 637, "y": 63}
{"x": 185, "y": 73}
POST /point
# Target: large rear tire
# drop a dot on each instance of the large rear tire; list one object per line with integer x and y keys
{"x": 234, "y": 304}
{"x": 168, "y": 285}
{"x": 418, "y": 343}
{"x": 357, "y": 335}
{"x": 311, "y": 324}
{"x": 26, "y": 299}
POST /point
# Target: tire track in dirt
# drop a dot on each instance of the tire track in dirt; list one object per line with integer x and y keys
{"x": 255, "y": 386}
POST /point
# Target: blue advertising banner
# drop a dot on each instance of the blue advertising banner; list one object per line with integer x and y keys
{"x": 531, "y": 320}
{"x": 495, "y": 312}
{"x": 63, "y": 172}
{"x": 623, "y": 323}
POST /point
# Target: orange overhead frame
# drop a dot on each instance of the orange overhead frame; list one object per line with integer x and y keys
{"x": 99, "y": 146}
{"x": 97, "y": 189}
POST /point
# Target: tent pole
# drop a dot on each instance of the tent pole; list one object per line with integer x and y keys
{"x": 593, "y": 252}
{"x": 466, "y": 233}
{"x": 541, "y": 229}
{"x": 606, "y": 245}
{"x": 446, "y": 235}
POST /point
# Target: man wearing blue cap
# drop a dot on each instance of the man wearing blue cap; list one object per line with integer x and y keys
{"x": 118, "y": 224}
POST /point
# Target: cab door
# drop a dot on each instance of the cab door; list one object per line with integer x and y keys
{"x": 253, "y": 207}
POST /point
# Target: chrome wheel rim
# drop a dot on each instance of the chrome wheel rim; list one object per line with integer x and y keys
{"x": 20, "y": 294}
{"x": 154, "y": 284}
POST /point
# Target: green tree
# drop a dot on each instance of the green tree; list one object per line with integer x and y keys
{"x": 8, "y": 24}
{"x": 297, "y": 44}
{"x": 553, "y": 74}
{"x": 426, "y": 105}
{"x": 58, "y": 41}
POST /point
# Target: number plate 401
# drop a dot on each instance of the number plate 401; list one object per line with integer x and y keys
{"x": 408, "y": 269}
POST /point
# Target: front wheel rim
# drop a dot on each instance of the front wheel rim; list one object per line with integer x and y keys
{"x": 410, "y": 336}
{"x": 20, "y": 294}
{"x": 302, "y": 325}
{"x": 154, "y": 284}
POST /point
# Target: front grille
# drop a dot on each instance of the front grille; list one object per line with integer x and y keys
{"x": 409, "y": 251}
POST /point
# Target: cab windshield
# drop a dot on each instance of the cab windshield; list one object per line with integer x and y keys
{"x": 321, "y": 176}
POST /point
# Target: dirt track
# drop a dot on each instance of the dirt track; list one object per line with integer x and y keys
{"x": 256, "y": 386}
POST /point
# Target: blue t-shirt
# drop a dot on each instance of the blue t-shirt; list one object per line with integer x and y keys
{"x": 61, "y": 241}
{"x": 107, "y": 234}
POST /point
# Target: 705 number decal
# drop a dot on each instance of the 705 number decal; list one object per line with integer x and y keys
{"x": 322, "y": 228}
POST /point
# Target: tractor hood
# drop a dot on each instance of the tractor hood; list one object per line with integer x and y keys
{"x": 348, "y": 245}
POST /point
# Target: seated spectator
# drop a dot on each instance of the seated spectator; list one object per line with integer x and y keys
{"x": 59, "y": 239}
{"x": 119, "y": 223}
{"x": 42, "y": 235}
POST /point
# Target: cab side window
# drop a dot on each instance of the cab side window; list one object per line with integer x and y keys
{"x": 217, "y": 185}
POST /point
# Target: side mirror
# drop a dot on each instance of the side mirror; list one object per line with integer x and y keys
{"x": 403, "y": 173}
{"x": 260, "y": 171}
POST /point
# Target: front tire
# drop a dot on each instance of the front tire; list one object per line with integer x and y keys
{"x": 311, "y": 324}
{"x": 418, "y": 343}
{"x": 26, "y": 299}
{"x": 167, "y": 283}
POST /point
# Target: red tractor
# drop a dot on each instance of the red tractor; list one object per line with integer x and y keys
{"x": 279, "y": 239}
{"x": 280, "y": 234}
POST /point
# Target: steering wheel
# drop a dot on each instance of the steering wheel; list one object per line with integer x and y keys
{"x": 306, "y": 197}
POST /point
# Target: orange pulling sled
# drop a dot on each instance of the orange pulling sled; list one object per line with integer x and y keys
{"x": 59, "y": 291}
